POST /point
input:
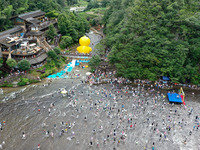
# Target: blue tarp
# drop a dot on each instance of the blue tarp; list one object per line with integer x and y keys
{"x": 174, "y": 97}
{"x": 165, "y": 78}
{"x": 83, "y": 61}
{"x": 69, "y": 69}
{"x": 21, "y": 34}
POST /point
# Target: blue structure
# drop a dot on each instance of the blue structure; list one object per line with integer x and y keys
{"x": 69, "y": 69}
{"x": 165, "y": 78}
{"x": 174, "y": 98}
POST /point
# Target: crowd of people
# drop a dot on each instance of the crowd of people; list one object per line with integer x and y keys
{"x": 116, "y": 115}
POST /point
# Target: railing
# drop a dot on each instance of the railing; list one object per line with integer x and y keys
{"x": 76, "y": 54}
{"x": 46, "y": 24}
{"x": 28, "y": 39}
{"x": 29, "y": 58}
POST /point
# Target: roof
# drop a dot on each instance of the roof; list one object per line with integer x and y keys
{"x": 6, "y": 40}
{"x": 32, "y": 14}
{"x": 174, "y": 97}
{"x": 39, "y": 59}
{"x": 11, "y": 31}
{"x": 165, "y": 78}
{"x": 35, "y": 33}
{"x": 32, "y": 20}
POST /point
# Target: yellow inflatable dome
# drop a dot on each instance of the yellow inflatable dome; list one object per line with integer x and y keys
{"x": 84, "y": 49}
{"x": 84, "y": 42}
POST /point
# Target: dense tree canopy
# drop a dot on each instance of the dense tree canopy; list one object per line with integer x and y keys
{"x": 11, "y": 63}
{"x": 10, "y": 8}
{"x": 72, "y": 25}
{"x": 65, "y": 41}
{"x": 152, "y": 38}
{"x": 51, "y": 32}
{"x": 24, "y": 65}
{"x": 94, "y": 62}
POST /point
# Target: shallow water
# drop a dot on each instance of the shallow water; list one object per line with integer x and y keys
{"x": 21, "y": 115}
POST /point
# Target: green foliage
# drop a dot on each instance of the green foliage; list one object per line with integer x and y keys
{"x": 52, "y": 14}
{"x": 156, "y": 38}
{"x": 52, "y": 54}
{"x": 94, "y": 62}
{"x": 67, "y": 51}
{"x": 57, "y": 50}
{"x": 51, "y": 32}
{"x": 72, "y": 2}
{"x": 24, "y": 65}
{"x": 1, "y": 62}
{"x": 104, "y": 3}
{"x": 47, "y": 73}
{"x": 11, "y": 63}
{"x": 6, "y": 84}
{"x": 72, "y": 25}
{"x": 23, "y": 81}
{"x": 9, "y": 8}
{"x": 92, "y": 4}
{"x": 100, "y": 49}
{"x": 65, "y": 41}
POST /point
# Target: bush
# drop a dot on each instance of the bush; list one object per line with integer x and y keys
{"x": 57, "y": 50}
{"x": 67, "y": 51}
{"x": 51, "y": 33}
{"x": 24, "y": 65}
{"x": 52, "y": 54}
{"x": 11, "y": 63}
{"x": 23, "y": 82}
{"x": 33, "y": 81}
{"x": 65, "y": 41}
{"x": 94, "y": 62}
{"x": 6, "y": 84}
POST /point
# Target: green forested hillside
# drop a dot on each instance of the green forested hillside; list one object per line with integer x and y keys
{"x": 152, "y": 38}
{"x": 10, "y": 8}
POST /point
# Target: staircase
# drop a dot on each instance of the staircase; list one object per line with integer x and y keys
{"x": 47, "y": 45}
{"x": 44, "y": 44}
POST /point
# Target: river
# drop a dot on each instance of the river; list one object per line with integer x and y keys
{"x": 39, "y": 109}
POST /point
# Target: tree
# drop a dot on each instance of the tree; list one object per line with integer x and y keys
{"x": 72, "y": 2}
{"x": 94, "y": 62}
{"x": 57, "y": 50}
{"x": 1, "y": 62}
{"x": 65, "y": 41}
{"x": 100, "y": 49}
{"x": 52, "y": 14}
{"x": 154, "y": 38}
{"x": 64, "y": 24}
{"x": 73, "y": 25}
{"x": 52, "y": 54}
{"x": 51, "y": 32}
{"x": 24, "y": 65}
{"x": 11, "y": 63}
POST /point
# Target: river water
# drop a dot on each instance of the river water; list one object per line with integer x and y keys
{"x": 41, "y": 108}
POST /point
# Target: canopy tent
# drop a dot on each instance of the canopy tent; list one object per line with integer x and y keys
{"x": 174, "y": 98}
{"x": 88, "y": 73}
{"x": 165, "y": 78}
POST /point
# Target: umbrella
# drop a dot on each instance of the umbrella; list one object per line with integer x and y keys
{"x": 88, "y": 73}
{"x": 64, "y": 91}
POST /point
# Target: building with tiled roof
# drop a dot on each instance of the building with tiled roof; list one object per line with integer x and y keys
{"x": 27, "y": 38}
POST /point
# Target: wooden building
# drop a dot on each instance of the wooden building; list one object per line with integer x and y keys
{"x": 27, "y": 39}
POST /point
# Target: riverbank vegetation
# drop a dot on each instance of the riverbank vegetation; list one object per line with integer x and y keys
{"x": 153, "y": 38}
{"x": 72, "y": 26}
{"x": 54, "y": 63}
